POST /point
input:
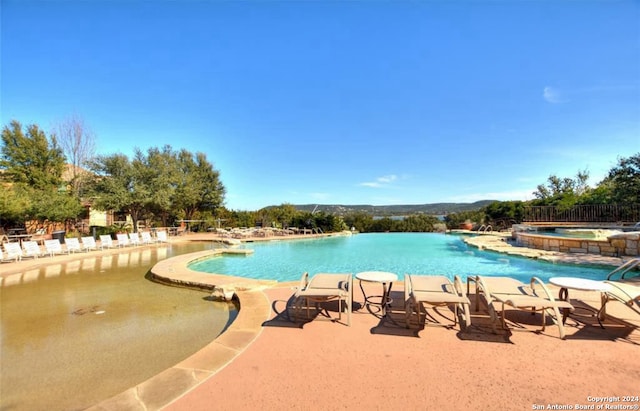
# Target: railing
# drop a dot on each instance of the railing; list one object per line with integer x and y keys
{"x": 624, "y": 268}
{"x": 600, "y": 213}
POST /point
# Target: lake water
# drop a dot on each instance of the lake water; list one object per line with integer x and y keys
{"x": 400, "y": 253}
{"x": 73, "y": 334}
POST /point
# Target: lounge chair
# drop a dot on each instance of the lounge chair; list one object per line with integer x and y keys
{"x": 106, "y": 241}
{"x": 6, "y": 257}
{"x": 73, "y": 244}
{"x": 161, "y": 236}
{"x": 31, "y": 249}
{"x": 89, "y": 243}
{"x": 134, "y": 239}
{"x": 13, "y": 251}
{"x": 323, "y": 288}
{"x": 625, "y": 289}
{"x": 436, "y": 291}
{"x": 123, "y": 240}
{"x": 506, "y": 291}
{"x": 146, "y": 238}
{"x": 54, "y": 247}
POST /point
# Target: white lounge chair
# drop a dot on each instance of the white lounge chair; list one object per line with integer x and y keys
{"x": 435, "y": 291}
{"x": 507, "y": 291}
{"x": 625, "y": 289}
{"x": 161, "y": 236}
{"x": 73, "y": 244}
{"x": 146, "y": 238}
{"x": 323, "y": 288}
{"x": 31, "y": 249}
{"x": 54, "y": 247}
{"x": 106, "y": 241}
{"x": 89, "y": 243}
{"x": 13, "y": 251}
{"x": 123, "y": 240}
{"x": 134, "y": 239}
{"x": 5, "y": 257}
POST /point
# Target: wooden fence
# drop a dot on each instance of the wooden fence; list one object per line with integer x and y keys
{"x": 601, "y": 213}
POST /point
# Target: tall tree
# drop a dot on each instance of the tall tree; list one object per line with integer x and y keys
{"x": 14, "y": 203}
{"x": 31, "y": 158}
{"x": 78, "y": 144}
{"x": 563, "y": 192}
{"x": 160, "y": 173}
{"x": 114, "y": 187}
{"x": 198, "y": 185}
{"x": 625, "y": 179}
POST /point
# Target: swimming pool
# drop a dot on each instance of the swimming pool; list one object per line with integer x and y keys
{"x": 414, "y": 253}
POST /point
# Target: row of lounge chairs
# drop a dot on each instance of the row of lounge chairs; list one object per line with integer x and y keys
{"x": 31, "y": 249}
{"x": 497, "y": 294}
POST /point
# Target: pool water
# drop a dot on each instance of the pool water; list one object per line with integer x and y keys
{"x": 400, "y": 253}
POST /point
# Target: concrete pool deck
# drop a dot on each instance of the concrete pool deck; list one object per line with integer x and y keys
{"x": 265, "y": 361}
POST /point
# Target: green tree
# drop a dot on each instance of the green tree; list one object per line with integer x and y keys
{"x": 562, "y": 192}
{"x": 454, "y": 220}
{"x": 31, "y": 158}
{"x": 501, "y": 214}
{"x": 60, "y": 206}
{"x": 155, "y": 176}
{"x": 419, "y": 223}
{"x": 283, "y": 214}
{"x": 15, "y": 201}
{"x": 116, "y": 186}
{"x": 361, "y": 221}
{"x": 242, "y": 219}
{"x": 625, "y": 180}
{"x": 198, "y": 185}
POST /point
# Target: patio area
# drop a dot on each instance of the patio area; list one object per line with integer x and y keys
{"x": 266, "y": 361}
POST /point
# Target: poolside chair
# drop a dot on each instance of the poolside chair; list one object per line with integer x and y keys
{"x": 31, "y": 249}
{"x": 89, "y": 243}
{"x": 506, "y": 291}
{"x": 146, "y": 238}
{"x": 54, "y": 247}
{"x": 73, "y": 244}
{"x": 6, "y": 258}
{"x": 106, "y": 241}
{"x": 626, "y": 289}
{"x": 322, "y": 288}
{"x": 134, "y": 239}
{"x": 13, "y": 251}
{"x": 436, "y": 291}
{"x": 123, "y": 240}
{"x": 161, "y": 236}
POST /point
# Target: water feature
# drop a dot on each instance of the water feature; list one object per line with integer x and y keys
{"x": 75, "y": 333}
{"x": 419, "y": 253}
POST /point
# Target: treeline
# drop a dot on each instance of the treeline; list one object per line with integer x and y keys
{"x": 56, "y": 178}
{"x": 159, "y": 187}
{"x": 621, "y": 186}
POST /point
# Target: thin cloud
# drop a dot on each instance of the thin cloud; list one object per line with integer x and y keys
{"x": 555, "y": 96}
{"x": 552, "y": 95}
{"x": 320, "y": 196}
{"x": 380, "y": 181}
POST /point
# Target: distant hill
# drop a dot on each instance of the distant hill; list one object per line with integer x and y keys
{"x": 391, "y": 210}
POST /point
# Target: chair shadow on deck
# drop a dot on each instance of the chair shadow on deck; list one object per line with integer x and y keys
{"x": 287, "y": 317}
{"x": 436, "y": 317}
{"x": 588, "y": 328}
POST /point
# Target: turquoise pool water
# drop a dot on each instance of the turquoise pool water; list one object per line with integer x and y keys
{"x": 400, "y": 253}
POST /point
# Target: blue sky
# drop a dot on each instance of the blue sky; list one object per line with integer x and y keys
{"x": 334, "y": 102}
